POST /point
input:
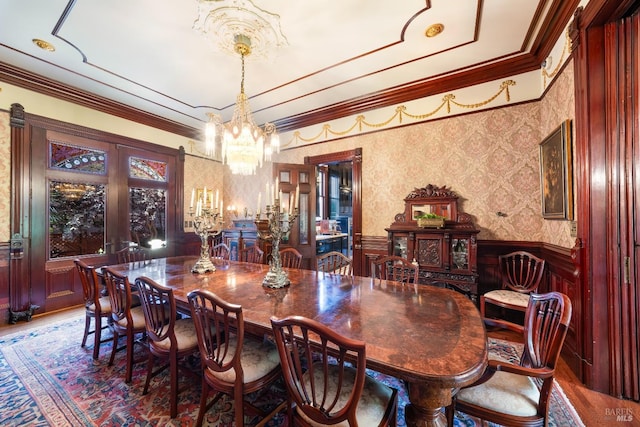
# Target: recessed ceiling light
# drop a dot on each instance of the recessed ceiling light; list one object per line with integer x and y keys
{"x": 434, "y": 30}
{"x": 44, "y": 45}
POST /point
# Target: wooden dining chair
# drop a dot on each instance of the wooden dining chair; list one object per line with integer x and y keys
{"x": 290, "y": 258}
{"x": 219, "y": 251}
{"x": 519, "y": 395}
{"x": 325, "y": 376}
{"x": 135, "y": 254}
{"x": 520, "y": 275}
{"x": 233, "y": 363}
{"x": 335, "y": 262}
{"x": 396, "y": 268}
{"x": 127, "y": 318}
{"x": 170, "y": 339}
{"x": 96, "y": 306}
{"x": 251, "y": 254}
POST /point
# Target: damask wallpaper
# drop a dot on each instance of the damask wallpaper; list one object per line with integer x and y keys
{"x": 489, "y": 158}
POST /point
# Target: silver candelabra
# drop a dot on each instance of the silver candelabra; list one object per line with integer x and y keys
{"x": 207, "y": 222}
{"x": 274, "y": 228}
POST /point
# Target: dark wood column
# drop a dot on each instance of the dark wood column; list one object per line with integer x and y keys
{"x": 19, "y": 298}
{"x": 605, "y": 39}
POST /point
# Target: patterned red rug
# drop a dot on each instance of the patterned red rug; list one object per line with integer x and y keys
{"x": 47, "y": 379}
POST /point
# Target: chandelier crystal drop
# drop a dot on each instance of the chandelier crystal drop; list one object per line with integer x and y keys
{"x": 244, "y": 144}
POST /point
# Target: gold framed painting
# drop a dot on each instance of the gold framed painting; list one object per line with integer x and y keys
{"x": 556, "y": 173}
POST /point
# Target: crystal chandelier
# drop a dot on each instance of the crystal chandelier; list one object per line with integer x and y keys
{"x": 244, "y": 144}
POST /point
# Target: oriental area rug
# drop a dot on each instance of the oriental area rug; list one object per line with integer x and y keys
{"x": 47, "y": 379}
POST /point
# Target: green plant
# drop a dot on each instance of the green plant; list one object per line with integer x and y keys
{"x": 429, "y": 215}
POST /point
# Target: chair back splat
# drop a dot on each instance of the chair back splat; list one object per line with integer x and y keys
{"x": 134, "y": 254}
{"x": 127, "y": 317}
{"x": 232, "y": 363}
{"x": 325, "y": 375}
{"x": 519, "y": 395}
{"x": 335, "y": 262}
{"x": 170, "y": 338}
{"x": 392, "y": 267}
{"x": 251, "y": 254}
{"x": 219, "y": 251}
{"x": 97, "y": 306}
{"x": 521, "y": 274}
{"x": 290, "y": 258}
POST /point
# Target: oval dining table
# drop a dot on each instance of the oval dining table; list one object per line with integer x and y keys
{"x": 432, "y": 338}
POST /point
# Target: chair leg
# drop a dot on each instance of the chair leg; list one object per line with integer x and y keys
{"x": 238, "y": 401}
{"x": 87, "y": 325}
{"x": 129, "y": 350}
{"x": 114, "y": 347}
{"x": 203, "y": 402}
{"x": 173, "y": 369}
{"x": 97, "y": 336}
{"x": 149, "y": 373}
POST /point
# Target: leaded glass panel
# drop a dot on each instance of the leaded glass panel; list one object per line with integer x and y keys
{"x": 74, "y": 158}
{"x": 148, "y": 216}
{"x": 76, "y": 219}
{"x": 147, "y": 169}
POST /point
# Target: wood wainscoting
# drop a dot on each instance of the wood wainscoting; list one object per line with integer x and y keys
{"x": 561, "y": 274}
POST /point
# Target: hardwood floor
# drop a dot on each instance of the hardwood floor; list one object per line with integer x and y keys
{"x": 595, "y": 409}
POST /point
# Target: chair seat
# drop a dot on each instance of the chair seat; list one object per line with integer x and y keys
{"x": 105, "y": 306}
{"x": 508, "y": 297}
{"x": 371, "y": 405}
{"x": 506, "y": 393}
{"x": 258, "y": 359}
{"x": 137, "y": 316}
{"x": 186, "y": 337}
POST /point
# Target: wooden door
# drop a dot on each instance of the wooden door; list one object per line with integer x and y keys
{"x": 303, "y": 233}
{"x": 623, "y": 39}
{"x": 90, "y": 198}
{"x": 70, "y": 188}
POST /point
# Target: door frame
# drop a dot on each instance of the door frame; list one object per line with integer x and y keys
{"x": 24, "y": 127}
{"x": 355, "y": 157}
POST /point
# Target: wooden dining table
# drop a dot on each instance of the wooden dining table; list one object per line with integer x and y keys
{"x": 432, "y": 338}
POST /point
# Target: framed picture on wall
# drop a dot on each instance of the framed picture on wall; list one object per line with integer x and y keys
{"x": 556, "y": 173}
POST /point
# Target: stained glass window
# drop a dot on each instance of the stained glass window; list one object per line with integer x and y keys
{"x": 76, "y": 219}
{"x": 77, "y": 159}
{"x": 147, "y": 169}
{"x": 148, "y": 216}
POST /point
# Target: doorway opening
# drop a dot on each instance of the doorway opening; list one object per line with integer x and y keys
{"x": 338, "y": 203}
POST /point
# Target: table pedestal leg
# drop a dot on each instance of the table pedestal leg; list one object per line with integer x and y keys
{"x": 425, "y": 407}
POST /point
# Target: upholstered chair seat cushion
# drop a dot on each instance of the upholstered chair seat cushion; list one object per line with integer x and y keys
{"x": 509, "y": 297}
{"x": 372, "y": 404}
{"x": 137, "y": 316}
{"x": 258, "y": 359}
{"x": 505, "y": 392}
{"x": 185, "y": 336}
{"x": 105, "y": 305}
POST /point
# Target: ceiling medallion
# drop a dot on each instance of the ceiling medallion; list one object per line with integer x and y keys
{"x": 44, "y": 45}
{"x": 223, "y": 20}
{"x": 434, "y": 30}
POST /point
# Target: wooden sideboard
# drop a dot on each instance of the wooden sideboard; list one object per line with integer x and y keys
{"x": 447, "y": 255}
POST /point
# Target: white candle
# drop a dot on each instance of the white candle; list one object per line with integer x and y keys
{"x": 266, "y": 194}
{"x": 221, "y": 209}
{"x": 193, "y": 196}
{"x": 216, "y": 197}
{"x": 276, "y": 188}
{"x": 212, "y": 207}
{"x": 280, "y": 196}
{"x": 204, "y": 195}
{"x": 259, "y": 201}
